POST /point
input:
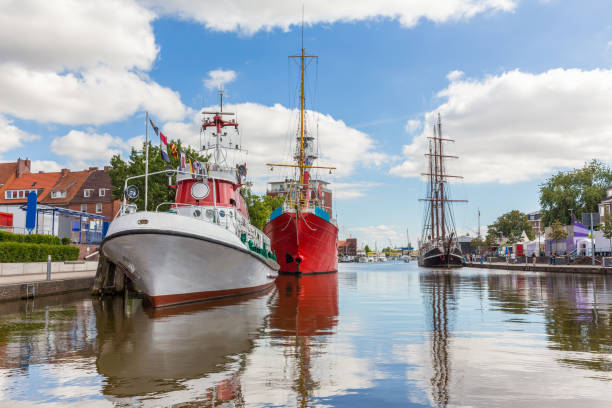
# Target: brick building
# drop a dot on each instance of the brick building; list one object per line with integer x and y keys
{"x": 281, "y": 188}
{"x": 347, "y": 247}
{"x": 87, "y": 191}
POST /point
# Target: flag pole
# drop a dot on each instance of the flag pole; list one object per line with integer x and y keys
{"x": 146, "y": 196}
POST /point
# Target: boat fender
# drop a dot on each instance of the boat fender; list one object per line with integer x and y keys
{"x": 288, "y": 258}
{"x": 298, "y": 260}
{"x": 443, "y": 257}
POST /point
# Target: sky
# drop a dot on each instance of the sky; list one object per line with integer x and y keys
{"x": 523, "y": 86}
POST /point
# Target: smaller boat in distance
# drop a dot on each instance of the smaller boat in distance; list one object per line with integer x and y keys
{"x": 438, "y": 246}
{"x": 202, "y": 245}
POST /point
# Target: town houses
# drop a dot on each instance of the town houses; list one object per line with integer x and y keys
{"x": 69, "y": 202}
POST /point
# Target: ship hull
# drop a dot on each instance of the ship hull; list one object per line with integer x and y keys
{"x": 173, "y": 263}
{"x": 437, "y": 258}
{"x": 304, "y": 244}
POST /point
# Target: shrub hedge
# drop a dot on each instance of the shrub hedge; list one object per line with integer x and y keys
{"x": 28, "y": 252}
{"x": 32, "y": 238}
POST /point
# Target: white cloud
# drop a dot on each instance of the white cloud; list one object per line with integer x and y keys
{"x": 249, "y": 17}
{"x": 266, "y": 134}
{"x": 347, "y": 191}
{"x": 12, "y": 136}
{"x": 218, "y": 78}
{"x": 518, "y": 126}
{"x": 62, "y": 34}
{"x": 45, "y": 165}
{"x": 83, "y": 147}
{"x": 413, "y": 125}
{"x": 97, "y": 96}
{"x": 379, "y": 235}
{"x": 454, "y": 75}
{"x": 80, "y": 62}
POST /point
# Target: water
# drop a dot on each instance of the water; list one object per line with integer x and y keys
{"x": 387, "y": 334}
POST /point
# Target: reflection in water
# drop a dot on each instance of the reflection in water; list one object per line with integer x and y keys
{"x": 145, "y": 351}
{"x": 307, "y": 306}
{"x": 400, "y": 336}
{"x": 437, "y": 287}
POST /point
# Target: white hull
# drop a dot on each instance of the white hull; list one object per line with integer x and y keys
{"x": 175, "y": 259}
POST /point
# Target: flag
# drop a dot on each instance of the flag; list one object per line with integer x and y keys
{"x": 174, "y": 150}
{"x": 155, "y": 129}
{"x": 182, "y": 162}
{"x": 164, "y": 147}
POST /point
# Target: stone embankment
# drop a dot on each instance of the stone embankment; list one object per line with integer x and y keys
{"x": 26, "y": 280}
{"x": 541, "y": 267}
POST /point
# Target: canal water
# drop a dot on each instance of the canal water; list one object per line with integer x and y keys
{"x": 384, "y": 334}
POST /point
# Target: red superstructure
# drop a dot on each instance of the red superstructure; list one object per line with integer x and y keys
{"x": 302, "y": 234}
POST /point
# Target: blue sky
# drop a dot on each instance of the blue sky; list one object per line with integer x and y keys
{"x": 530, "y": 94}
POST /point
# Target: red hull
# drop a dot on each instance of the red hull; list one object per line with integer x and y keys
{"x": 304, "y": 246}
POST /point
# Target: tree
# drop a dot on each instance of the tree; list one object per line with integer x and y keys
{"x": 491, "y": 238}
{"x": 557, "y": 232}
{"x": 512, "y": 224}
{"x": 367, "y": 249}
{"x": 578, "y": 190}
{"x": 606, "y": 227}
{"x": 159, "y": 191}
{"x": 259, "y": 206}
{"x": 477, "y": 243}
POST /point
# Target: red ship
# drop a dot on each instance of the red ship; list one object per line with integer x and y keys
{"x": 303, "y": 235}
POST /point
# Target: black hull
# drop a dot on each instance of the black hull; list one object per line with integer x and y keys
{"x": 435, "y": 258}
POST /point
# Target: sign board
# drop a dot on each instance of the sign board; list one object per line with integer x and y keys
{"x": 31, "y": 212}
{"x": 586, "y": 219}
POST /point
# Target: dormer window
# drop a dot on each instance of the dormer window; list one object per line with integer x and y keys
{"x": 58, "y": 194}
{"x": 101, "y": 192}
{"x": 87, "y": 192}
{"x": 18, "y": 194}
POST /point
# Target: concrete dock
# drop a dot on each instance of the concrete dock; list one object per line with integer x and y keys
{"x": 542, "y": 267}
{"x": 16, "y": 283}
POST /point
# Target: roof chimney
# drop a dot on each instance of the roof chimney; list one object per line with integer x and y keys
{"x": 23, "y": 167}
{"x": 93, "y": 168}
{"x": 65, "y": 172}
{"x": 107, "y": 168}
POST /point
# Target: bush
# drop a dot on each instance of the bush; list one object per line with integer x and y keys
{"x": 28, "y": 252}
{"x": 65, "y": 241}
{"x": 32, "y": 238}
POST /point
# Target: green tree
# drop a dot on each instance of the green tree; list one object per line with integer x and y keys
{"x": 606, "y": 226}
{"x": 578, "y": 190}
{"x": 512, "y": 224}
{"x": 557, "y": 232}
{"x": 491, "y": 238}
{"x": 367, "y": 249}
{"x": 259, "y": 206}
{"x": 477, "y": 243}
{"x": 159, "y": 191}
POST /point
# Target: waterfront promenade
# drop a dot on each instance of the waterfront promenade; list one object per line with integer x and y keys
{"x": 543, "y": 267}
{"x": 65, "y": 278}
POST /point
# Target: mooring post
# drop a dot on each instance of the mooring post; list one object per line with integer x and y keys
{"x": 48, "y": 267}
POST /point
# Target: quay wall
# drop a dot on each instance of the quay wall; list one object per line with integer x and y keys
{"x": 37, "y": 268}
{"x": 42, "y": 288}
{"x": 543, "y": 267}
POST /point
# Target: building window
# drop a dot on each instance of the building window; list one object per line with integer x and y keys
{"x": 87, "y": 192}
{"x": 58, "y": 194}
{"x": 8, "y": 195}
{"x": 101, "y": 192}
{"x": 84, "y": 207}
{"x": 98, "y": 208}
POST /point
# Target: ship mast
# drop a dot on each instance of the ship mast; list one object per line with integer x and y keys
{"x": 301, "y": 155}
{"x": 437, "y": 198}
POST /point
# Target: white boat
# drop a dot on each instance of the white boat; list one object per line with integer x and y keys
{"x": 202, "y": 246}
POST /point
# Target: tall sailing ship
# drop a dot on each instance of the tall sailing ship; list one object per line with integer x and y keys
{"x": 303, "y": 235}
{"x": 438, "y": 246}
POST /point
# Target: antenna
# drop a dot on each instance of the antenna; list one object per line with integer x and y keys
{"x": 302, "y": 25}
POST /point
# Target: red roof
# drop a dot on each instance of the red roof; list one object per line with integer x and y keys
{"x": 7, "y": 171}
{"x": 44, "y": 181}
{"x": 70, "y": 182}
